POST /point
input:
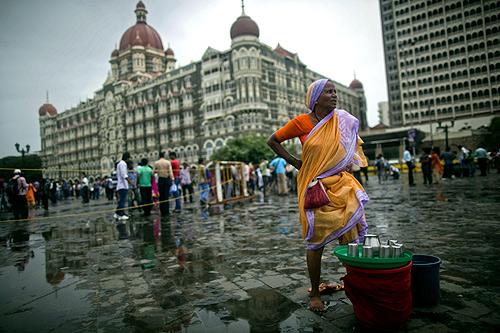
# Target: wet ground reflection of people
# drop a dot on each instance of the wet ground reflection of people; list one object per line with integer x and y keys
{"x": 182, "y": 230}
{"x": 18, "y": 241}
{"x": 122, "y": 231}
{"x": 54, "y": 259}
{"x": 180, "y": 253}
{"x": 54, "y": 275}
{"x": 148, "y": 247}
{"x": 166, "y": 236}
{"x": 19, "y": 237}
{"x": 204, "y": 214}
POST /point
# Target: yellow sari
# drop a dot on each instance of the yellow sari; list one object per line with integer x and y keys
{"x": 329, "y": 150}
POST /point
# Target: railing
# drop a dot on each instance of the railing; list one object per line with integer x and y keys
{"x": 228, "y": 181}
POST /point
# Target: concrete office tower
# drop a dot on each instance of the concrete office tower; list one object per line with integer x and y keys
{"x": 442, "y": 59}
{"x": 383, "y": 113}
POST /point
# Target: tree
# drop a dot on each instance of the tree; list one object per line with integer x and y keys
{"x": 247, "y": 149}
{"x": 493, "y": 139}
{"x": 10, "y": 163}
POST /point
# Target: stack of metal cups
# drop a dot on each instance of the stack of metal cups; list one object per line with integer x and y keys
{"x": 385, "y": 251}
{"x": 393, "y": 249}
{"x": 396, "y": 248}
{"x": 352, "y": 250}
{"x": 367, "y": 251}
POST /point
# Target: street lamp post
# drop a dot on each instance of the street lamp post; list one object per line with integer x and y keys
{"x": 22, "y": 150}
{"x": 445, "y": 127}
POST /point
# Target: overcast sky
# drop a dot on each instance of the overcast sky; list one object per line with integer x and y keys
{"x": 64, "y": 46}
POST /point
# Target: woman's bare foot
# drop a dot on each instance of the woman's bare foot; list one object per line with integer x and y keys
{"x": 316, "y": 305}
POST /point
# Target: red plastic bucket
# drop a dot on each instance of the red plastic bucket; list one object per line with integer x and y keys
{"x": 381, "y": 298}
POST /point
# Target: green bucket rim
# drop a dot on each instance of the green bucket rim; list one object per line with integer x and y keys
{"x": 375, "y": 263}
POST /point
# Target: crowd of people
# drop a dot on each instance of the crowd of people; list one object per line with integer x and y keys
{"x": 436, "y": 165}
{"x": 149, "y": 183}
{"x": 168, "y": 180}
{"x": 145, "y": 185}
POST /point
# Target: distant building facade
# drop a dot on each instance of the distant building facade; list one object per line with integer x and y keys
{"x": 148, "y": 104}
{"x": 383, "y": 113}
{"x": 442, "y": 59}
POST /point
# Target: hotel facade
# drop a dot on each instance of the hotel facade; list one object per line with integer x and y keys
{"x": 148, "y": 103}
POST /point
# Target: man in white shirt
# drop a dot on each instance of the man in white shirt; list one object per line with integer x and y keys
{"x": 122, "y": 186}
{"x": 409, "y": 163}
{"x": 85, "y": 191}
{"x": 17, "y": 195}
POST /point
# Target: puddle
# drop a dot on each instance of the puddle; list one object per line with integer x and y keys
{"x": 265, "y": 311}
{"x": 36, "y": 296}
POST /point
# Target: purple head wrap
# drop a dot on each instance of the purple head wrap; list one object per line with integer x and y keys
{"x": 314, "y": 91}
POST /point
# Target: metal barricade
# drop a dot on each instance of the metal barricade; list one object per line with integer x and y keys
{"x": 227, "y": 181}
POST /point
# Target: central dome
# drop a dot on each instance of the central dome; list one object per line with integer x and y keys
{"x": 244, "y": 26}
{"x": 141, "y": 34}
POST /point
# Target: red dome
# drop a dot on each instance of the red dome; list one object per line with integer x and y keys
{"x": 356, "y": 84}
{"x": 47, "y": 109}
{"x": 244, "y": 26}
{"x": 141, "y": 31}
{"x": 169, "y": 52}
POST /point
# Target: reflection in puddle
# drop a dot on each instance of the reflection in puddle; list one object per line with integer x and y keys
{"x": 205, "y": 320}
{"x": 265, "y": 311}
{"x": 37, "y": 295}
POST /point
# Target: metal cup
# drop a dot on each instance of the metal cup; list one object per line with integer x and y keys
{"x": 352, "y": 250}
{"x": 397, "y": 250}
{"x": 367, "y": 251}
{"x": 385, "y": 251}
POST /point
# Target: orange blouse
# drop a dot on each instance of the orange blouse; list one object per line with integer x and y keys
{"x": 299, "y": 126}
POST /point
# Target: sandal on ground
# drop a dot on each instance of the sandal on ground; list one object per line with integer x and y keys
{"x": 326, "y": 288}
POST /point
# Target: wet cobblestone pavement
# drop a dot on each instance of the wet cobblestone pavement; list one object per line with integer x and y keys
{"x": 241, "y": 268}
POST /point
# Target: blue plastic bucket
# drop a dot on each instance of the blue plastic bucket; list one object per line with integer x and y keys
{"x": 425, "y": 280}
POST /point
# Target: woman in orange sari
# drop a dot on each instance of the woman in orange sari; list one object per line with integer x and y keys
{"x": 330, "y": 145}
{"x": 30, "y": 195}
{"x": 437, "y": 167}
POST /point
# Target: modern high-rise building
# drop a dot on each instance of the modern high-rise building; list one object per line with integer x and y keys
{"x": 442, "y": 59}
{"x": 148, "y": 103}
{"x": 383, "y": 113}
